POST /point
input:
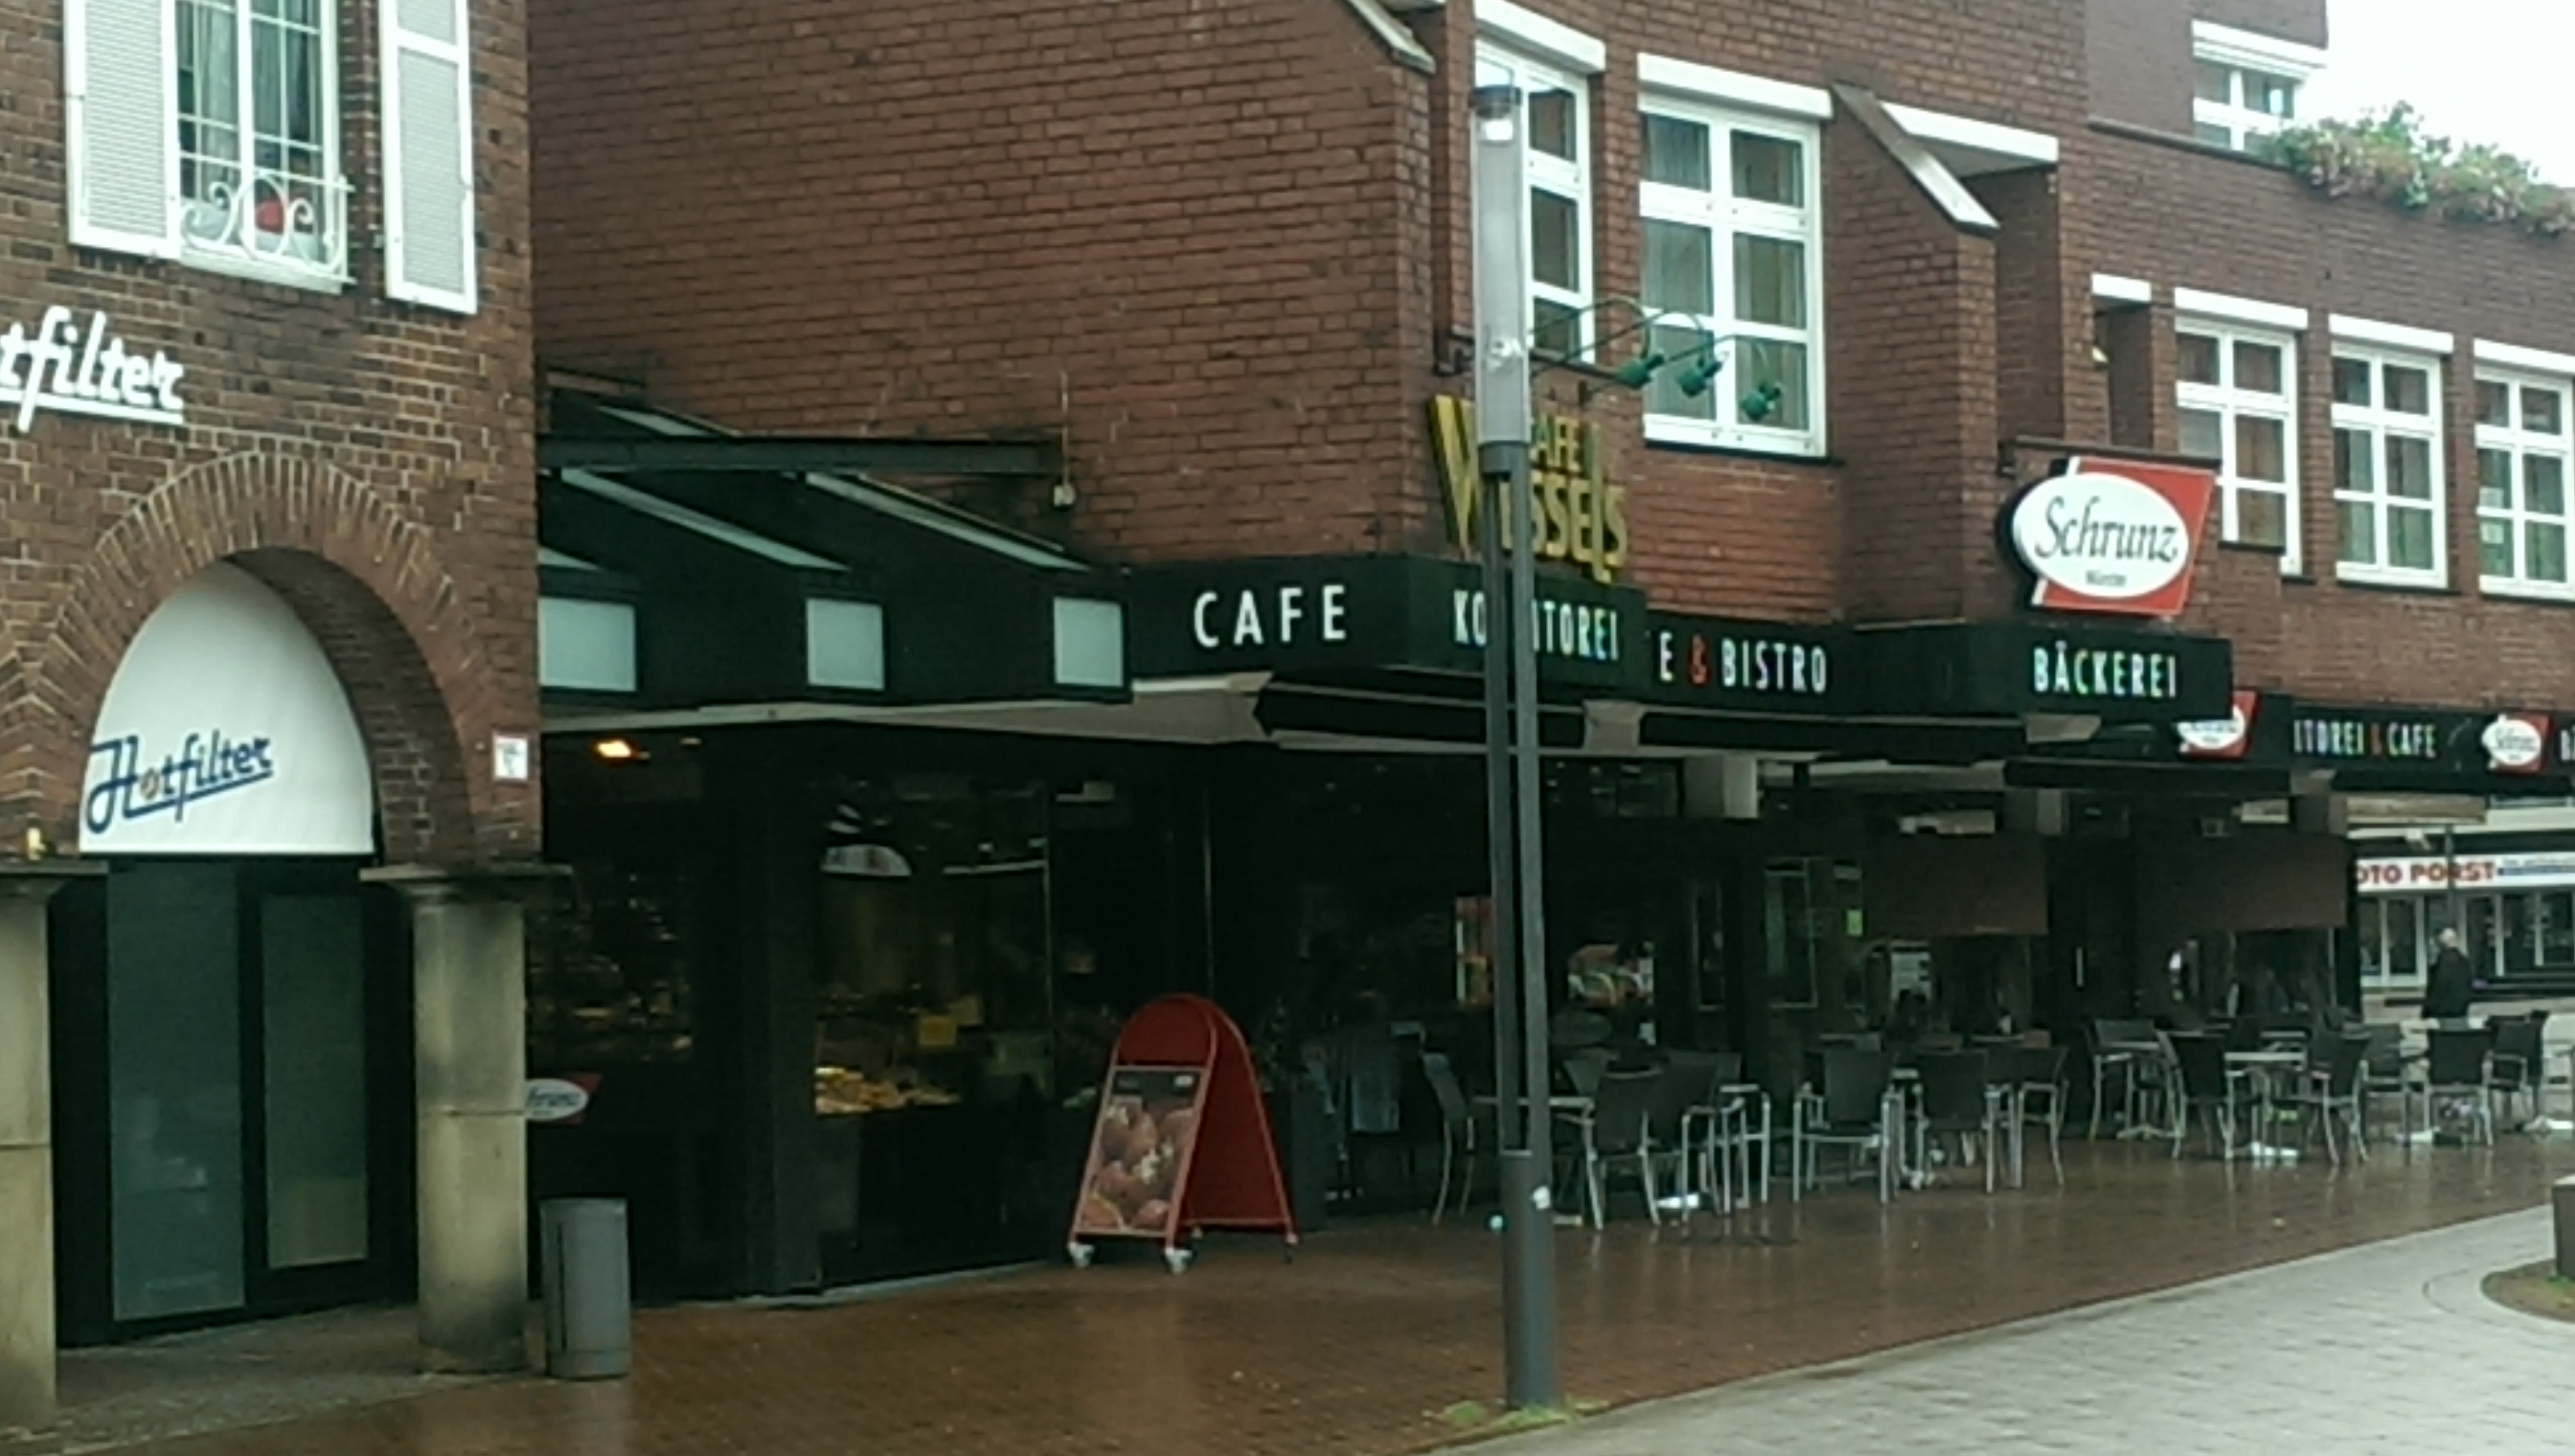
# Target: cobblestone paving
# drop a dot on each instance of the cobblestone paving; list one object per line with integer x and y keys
{"x": 2390, "y": 1347}
{"x": 1360, "y": 1345}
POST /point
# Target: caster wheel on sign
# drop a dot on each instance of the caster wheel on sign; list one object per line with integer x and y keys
{"x": 1080, "y": 1255}
{"x": 1179, "y": 1259}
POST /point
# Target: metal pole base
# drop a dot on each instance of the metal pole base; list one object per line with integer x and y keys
{"x": 2562, "y": 1198}
{"x": 1528, "y": 1285}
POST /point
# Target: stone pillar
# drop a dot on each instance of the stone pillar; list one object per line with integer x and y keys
{"x": 470, "y": 1031}
{"x": 27, "y": 1142}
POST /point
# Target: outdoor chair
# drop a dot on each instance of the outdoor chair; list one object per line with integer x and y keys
{"x": 2038, "y": 1097}
{"x": 1716, "y": 1129}
{"x": 1848, "y": 1110}
{"x": 1619, "y": 1128}
{"x": 2519, "y": 1068}
{"x": 2115, "y": 1051}
{"x": 2332, "y": 1090}
{"x": 2209, "y": 1087}
{"x": 1690, "y": 1080}
{"x": 1583, "y": 1068}
{"x": 2383, "y": 1074}
{"x": 1463, "y": 1130}
{"x": 1960, "y": 1100}
{"x": 2460, "y": 1067}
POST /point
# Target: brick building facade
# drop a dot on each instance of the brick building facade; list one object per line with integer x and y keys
{"x": 1899, "y": 262}
{"x": 326, "y": 422}
{"x": 268, "y": 382}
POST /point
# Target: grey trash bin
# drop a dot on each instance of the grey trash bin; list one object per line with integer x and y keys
{"x": 588, "y": 1320}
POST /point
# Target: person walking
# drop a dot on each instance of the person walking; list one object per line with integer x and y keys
{"x": 2454, "y": 981}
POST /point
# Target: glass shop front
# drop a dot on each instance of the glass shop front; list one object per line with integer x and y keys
{"x": 861, "y": 1012}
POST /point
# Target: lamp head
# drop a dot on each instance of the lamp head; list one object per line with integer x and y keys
{"x": 1761, "y": 403}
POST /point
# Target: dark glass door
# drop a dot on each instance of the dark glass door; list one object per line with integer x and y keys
{"x": 248, "y": 1132}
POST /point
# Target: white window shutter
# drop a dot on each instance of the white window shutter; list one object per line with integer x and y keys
{"x": 121, "y": 124}
{"x": 428, "y": 85}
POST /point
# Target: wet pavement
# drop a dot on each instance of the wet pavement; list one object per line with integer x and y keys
{"x": 1362, "y": 1343}
{"x": 2390, "y": 1347}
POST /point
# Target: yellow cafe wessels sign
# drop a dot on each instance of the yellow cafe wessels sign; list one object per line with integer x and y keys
{"x": 1582, "y": 519}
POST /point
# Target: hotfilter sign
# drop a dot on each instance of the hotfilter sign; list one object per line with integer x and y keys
{"x": 225, "y": 731}
{"x": 2112, "y": 538}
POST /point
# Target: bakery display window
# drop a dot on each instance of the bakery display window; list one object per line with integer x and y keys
{"x": 933, "y": 986}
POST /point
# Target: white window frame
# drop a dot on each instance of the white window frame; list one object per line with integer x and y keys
{"x": 1499, "y": 65}
{"x": 2380, "y": 425}
{"x": 240, "y": 255}
{"x": 2228, "y": 404}
{"x": 1726, "y": 217}
{"x": 2239, "y": 52}
{"x": 2520, "y": 445}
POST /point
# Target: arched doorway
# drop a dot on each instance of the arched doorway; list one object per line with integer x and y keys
{"x": 233, "y": 1100}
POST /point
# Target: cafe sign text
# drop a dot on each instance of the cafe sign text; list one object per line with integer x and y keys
{"x": 2112, "y": 538}
{"x": 1582, "y": 519}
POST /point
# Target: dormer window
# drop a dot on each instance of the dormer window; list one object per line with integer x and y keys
{"x": 2248, "y": 86}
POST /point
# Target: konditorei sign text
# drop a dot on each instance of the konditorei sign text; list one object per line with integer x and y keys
{"x": 1582, "y": 519}
{"x": 2112, "y": 538}
{"x": 63, "y": 368}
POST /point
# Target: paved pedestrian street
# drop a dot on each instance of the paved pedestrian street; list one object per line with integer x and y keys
{"x": 1375, "y": 1339}
{"x": 2387, "y": 1347}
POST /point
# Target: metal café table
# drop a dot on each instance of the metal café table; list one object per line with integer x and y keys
{"x": 2264, "y": 1068}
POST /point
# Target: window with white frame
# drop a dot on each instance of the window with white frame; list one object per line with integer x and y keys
{"x": 257, "y": 172}
{"x": 208, "y": 131}
{"x": 2387, "y": 467}
{"x": 2523, "y": 461}
{"x": 1732, "y": 254}
{"x": 2246, "y": 86}
{"x": 2238, "y": 399}
{"x": 1556, "y": 105}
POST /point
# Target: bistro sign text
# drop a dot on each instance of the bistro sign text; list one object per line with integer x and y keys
{"x": 61, "y": 367}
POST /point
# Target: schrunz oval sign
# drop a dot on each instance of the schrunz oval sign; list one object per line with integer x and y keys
{"x": 2111, "y": 537}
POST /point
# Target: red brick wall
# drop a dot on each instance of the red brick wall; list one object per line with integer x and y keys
{"x": 2183, "y": 218}
{"x": 1177, "y": 228}
{"x": 373, "y": 461}
{"x": 1224, "y": 244}
{"x": 2141, "y": 58}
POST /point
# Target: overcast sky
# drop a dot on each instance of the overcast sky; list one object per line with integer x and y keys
{"x": 2478, "y": 70}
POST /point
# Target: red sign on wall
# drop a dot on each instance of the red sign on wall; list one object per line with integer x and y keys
{"x": 2112, "y": 538}
{"x": 2230, "y": 737}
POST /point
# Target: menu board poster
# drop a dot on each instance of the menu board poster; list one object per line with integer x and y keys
{"x": 1139, "y": 1148}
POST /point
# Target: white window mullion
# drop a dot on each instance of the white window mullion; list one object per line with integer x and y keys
{"x": 2238, "y": 408}
{"x": 120, "y": 88}
{"x": 2392, "y": 432}
{"x": 1729, "y": 219}
{"x": 2522, "y": 436}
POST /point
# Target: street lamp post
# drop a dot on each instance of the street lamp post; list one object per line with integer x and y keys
{"x": 1512, "y": 785}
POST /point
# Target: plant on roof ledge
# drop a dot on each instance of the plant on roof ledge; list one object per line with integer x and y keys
{"x": 2389, "y": 155}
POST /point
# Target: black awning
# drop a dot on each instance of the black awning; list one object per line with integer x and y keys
{"x": 2016, "y": 669}
{"x": 756, "y": 584}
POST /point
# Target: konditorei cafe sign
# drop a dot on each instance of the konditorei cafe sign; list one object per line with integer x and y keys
{"x": 2112, "y": 538}
{"x": 70, "y": 369}
{"x": 1582, "y": 519}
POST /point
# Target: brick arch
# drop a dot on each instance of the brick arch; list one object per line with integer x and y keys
{"x": 366, "y": 582}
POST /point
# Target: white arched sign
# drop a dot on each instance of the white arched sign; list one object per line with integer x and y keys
{"x": 225, "y": 731}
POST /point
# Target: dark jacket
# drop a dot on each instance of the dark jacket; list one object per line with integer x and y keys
{"x": 2453, "y": 986}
